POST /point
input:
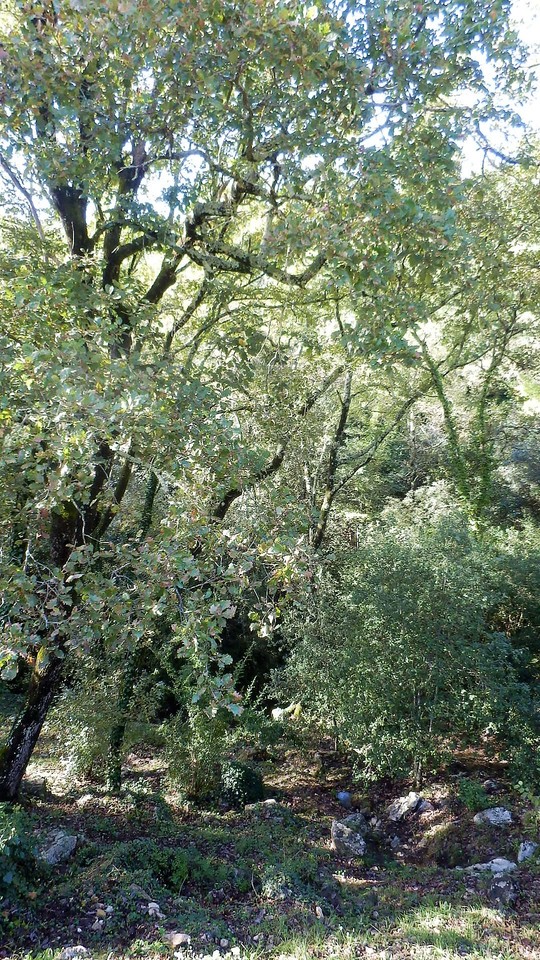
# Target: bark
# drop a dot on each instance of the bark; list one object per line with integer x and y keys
{"x": 14, "y": 757}
{"x": 330, "y": 481}
{"x": 118, "y": 732}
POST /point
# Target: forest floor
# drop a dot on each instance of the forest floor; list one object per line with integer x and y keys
{"x": 152, "y": 877}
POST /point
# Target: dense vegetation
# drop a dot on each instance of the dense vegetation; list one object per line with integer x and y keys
{"x": 270, "y": 459}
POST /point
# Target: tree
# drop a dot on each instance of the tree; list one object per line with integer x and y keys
{"x": 196, "y": 157}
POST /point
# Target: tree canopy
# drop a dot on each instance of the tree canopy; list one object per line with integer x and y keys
{"x": 237, "y": 254}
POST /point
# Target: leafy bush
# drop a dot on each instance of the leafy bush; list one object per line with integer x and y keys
{"x": 395, "y": 652}
{"x": 278, "y": 882}
{"x": 473, "y": 795}
{"x": 194, "y": 748}
{"x": 240, "y": 784}
{"x": 168, "y": 867}
{"x": 17, "y": 859}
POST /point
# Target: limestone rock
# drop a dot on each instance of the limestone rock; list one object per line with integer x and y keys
{"x": 527, "y": 849}
{"x": 358, "y": 823}
{"x": 496, "y": 816}
{"x": 347, "y": 842}
{"x": 502, "y": 892}
{"x": 498, "y": 865}
{"x": 178, "y": 939}
{"x": 60, "y": 848}
{"x": 399, "y": 808}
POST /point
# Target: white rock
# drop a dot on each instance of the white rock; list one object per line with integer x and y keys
{"x": 347, "y": 842}
{"x": 490, "y": 786}
{"x": 85, "y": 800}
{"x": 498, "y": 865}
{"x": 71, "y": 953}
{"x": 399, "y": 808}
{"x": 527, "y": 849}
{"x": 357, "y": 822}
{"x": 60, "y": 848}
{"x": 496, "y": 816}
{"x": 178, "y": 939}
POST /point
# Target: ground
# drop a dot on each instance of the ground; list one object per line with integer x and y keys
{"x": 265, "y": 880}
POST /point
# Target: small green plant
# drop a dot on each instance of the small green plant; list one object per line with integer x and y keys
{"x": 240, "y": 784}
{"x": 278, "y": 882}
{"x": 17, "y": 859}
{"x": 531, "y": 819}
{"x": 473, "y": 795}
{"x": 194, "y": 748}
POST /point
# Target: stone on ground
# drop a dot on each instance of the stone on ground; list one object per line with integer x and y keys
{"x": 496, "y": 816}
{"x": 59, "y": 848}
{"x": 527, "y": 849}
{"x": 399, "y": 808}
{"x": 497, "y": 865}
{"x": 347, "y": 842}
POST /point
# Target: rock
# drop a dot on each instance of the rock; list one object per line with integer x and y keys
{"x": 375, "y": 828}
{"x": 358, "y": 823}
{"x": 498, "y": 865}
{"x": 319, "y": 913}
{"x": 154, "y": 910}
{"x": 83, "y": 802}
{"x": 490, "y": 786}
{"x": 425, "y": 806}
{"x": 60, "y": 848}
{"x": 72, "y": 953}
{"x": 496, "y": 816}
{"x": 527, "y": 849}
{"x": 344, "y": 798}
{"x": 263, "y": 806}
{"x": 502, "y": 892}
{"x": 399, "y": 808}
{"x": 395, "y": 842}
{"x": 224, "y": 943}
{"x": 347, "y": 842}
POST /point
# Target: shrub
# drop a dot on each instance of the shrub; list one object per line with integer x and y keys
{"x": 395, "y": 652}
{"x": 240, "y": 784}
{"x": 473, "y": 795}
{"x": 17, "y": 860}
{"x": 194, "y": 748}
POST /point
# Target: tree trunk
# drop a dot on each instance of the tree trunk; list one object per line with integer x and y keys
{"x": 118, "y": 732}
{"x": 26, "y": 728}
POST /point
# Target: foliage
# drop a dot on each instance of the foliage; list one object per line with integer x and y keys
{"x": 240, "y": 784}
{"x": 150, "y": 862}
{"x": 194, "y": 747}
{"x": 473, "y": 795}
{"x": 17, "y": 860}
{"x": 394, "y": 651}
{"x": 198, "y": 210}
